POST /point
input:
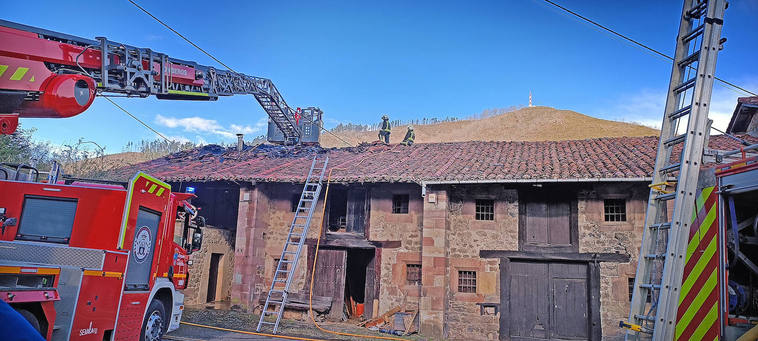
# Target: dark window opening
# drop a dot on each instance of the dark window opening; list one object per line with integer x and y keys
{"x": 467, "y": 281}
{"x": 631, "y": 291}
{"x": 413, "y": 274}
{"x": 337, "y": 209}
{"x": 213, "y": 276}
{"x": 47, "y": 219}
{"x": 400, "y": 203}
{"x": 615, "y": 209}
{"x": 485, "y": 209}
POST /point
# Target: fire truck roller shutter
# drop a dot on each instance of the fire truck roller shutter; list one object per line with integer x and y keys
{"x": 143, "y": 249}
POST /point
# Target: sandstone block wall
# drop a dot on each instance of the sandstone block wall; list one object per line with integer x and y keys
{"x": 218, "y": 241}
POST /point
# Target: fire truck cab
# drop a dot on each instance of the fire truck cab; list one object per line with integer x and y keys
{"x": 95, "y": 261}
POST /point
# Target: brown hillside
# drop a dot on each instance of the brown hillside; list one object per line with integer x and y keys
{"x": 526, "y": 124}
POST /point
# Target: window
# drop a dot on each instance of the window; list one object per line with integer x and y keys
{"x": 400, "y": 203}
{"x": 47, "y": 219}
{"x": 280, "y": 275}
{"x": 615, "y": 209}
{"x": 631, "y": 291}
{"x": 485, "y": 209}
{"x": 467, "y": 281}
{"x": 413, "y": 274}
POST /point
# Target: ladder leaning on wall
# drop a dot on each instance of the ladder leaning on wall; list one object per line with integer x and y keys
{"x": 293, "y": 246}
{"x": 664, "y": 241}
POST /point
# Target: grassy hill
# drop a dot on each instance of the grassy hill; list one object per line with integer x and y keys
{"x": 526, "y": 124}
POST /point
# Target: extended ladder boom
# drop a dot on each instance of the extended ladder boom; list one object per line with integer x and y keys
{"x": 35, "y": 56}
{"x": 658, "y": 281}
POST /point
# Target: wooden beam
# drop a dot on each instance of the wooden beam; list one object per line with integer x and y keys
{"x": 568, "y": 256}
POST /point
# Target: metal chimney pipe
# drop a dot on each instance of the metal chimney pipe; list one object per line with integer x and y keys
{"x": 240, "y": 142}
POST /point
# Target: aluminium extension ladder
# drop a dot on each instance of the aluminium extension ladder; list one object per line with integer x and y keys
{"x": 293, "y": 246}
{"x": 664, "y": 241}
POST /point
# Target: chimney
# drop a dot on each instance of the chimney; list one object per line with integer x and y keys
{"x": 240, "y": 142}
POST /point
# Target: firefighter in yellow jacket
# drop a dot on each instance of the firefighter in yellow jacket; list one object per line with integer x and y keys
{"x": 409, "y": 136}
{"x": 384, "y": 132}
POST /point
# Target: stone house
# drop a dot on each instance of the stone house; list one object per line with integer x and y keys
{"x": 487, "y": 240}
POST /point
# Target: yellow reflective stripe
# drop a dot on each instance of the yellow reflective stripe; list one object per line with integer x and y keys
{"x": 188, "y": 93}
{"x": 697, "y": 271}
{"x": 128, "y": 206}
{"x": 32, "y": 79}
{"x": 35, "y": 271}
{"x": 706, "y": 324}
{"x": 152, "y": 188}
{"x": 103, "y": 273}
{"x": 708, "y": 222}
{"x": 2, "y": 69}
{"x": 160, "y": 191}
{"x": 20, "y": 72}
{"x": 696, "y": 304}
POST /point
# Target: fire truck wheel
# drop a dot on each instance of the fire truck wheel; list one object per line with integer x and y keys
{"x": 29, "y": 316}
{"x": 155, "y": 323}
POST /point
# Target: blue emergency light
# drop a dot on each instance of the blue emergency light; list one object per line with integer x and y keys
{"x": 189, "y": 189}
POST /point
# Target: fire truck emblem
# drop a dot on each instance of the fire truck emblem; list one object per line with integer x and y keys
{"x": 142, "y": 242}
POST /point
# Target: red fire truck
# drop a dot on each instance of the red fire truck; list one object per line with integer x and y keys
{"x": 95, "y": 261}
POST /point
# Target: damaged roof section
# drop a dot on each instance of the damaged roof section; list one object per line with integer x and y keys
{"x": 592, "y": 159}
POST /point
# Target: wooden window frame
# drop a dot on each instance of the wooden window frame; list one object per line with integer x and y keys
{"x": 490, "y": 209}
{"x": 414, "y": 282}
{"x": 401, "y": 203}
{"x": 467, "y": 286}
{"x": 615, "y": 217}
{"x": 525, "y": 197}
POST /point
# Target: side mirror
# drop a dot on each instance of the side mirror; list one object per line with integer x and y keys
{"x": 200, "y": 221}
{"x": 197, "y": 240}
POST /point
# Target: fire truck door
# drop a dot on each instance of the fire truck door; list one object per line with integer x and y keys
{"x": 143, "y": 248}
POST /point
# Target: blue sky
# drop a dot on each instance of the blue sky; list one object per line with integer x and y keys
{"x": 410, "y": 59}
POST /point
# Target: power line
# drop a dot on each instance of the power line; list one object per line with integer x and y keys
{"x": 135, "y": 118}
{"x": 635, "y": 42}
{"x": 210, "y": 55}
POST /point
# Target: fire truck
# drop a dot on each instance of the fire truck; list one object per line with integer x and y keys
{"x": 78, "y": 256}
{"x": 97, "y": 260}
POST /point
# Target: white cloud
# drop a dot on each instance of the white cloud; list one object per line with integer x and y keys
{"x": 206, "y": 126}
{"x": 646, "y": 106}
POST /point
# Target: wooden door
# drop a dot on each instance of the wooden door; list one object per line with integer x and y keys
{"x": 548, "y": 301}
{"x": 330, "y": 279}
{"x": 356, "y": 210}
{"x": 548, "y": 223}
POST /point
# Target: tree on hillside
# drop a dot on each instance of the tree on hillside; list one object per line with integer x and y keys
{"x": 20, "y": 148}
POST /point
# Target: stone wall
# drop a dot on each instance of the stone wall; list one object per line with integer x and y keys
{"x": 264, "y": 221}
{"x": 394, "y": 289}
{"x": 597, "y": 235}
{"x": 466, "y": 237}
{"x": 218, "y": 241}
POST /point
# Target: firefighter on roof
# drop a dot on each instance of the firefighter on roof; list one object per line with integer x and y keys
{"x": 384, "y": 132}
{"x": 409, "y": 136}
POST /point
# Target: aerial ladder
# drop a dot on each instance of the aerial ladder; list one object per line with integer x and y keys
{"x": 55, "y": 75}
{"x": 658, "y": 281}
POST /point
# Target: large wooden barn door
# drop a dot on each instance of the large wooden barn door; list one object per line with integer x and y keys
{"x": 548, "y": 301}
{"x": 330, "y": 279}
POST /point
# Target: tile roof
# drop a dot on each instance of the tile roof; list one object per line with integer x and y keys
{"x": 591, "y": 159}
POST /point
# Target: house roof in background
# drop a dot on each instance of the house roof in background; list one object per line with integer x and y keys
{"x": 744, "y": 112}
{"x": 621, "y": 158}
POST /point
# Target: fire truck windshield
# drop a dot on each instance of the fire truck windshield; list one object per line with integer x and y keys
{"x": 47, "y": 219}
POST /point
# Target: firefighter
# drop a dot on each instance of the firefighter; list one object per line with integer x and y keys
{"x": 409, "y": 136}
{"x": 384, "y": 132}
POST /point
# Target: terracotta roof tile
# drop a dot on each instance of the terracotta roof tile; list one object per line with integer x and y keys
{"x": 616, "y": 158}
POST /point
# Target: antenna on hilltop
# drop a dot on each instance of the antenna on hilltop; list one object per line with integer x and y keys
{"x": 530, "y": 99}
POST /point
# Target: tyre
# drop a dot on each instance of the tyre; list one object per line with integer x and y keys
{"x": 29, "y": 316}
{"x": 155, "y": 323}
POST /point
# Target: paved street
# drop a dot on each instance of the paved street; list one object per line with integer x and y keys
{"x": 191, "y": 333}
